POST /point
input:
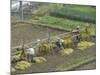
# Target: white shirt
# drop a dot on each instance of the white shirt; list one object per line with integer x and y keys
{"x": 61, "y": 40}
{"x": 31, "y": 51}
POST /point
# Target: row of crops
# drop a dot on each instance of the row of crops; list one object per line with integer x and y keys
{"x": 80, "y": 13}
{"x": 66, "y": 16}
{"x": 65, "y": 23}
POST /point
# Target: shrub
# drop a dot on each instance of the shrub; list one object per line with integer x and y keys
{"x": 66, "y": 51}
{"x": 41, "y": 11}
{"x": 84, "y": 45}
{"x": 39, "y": 59}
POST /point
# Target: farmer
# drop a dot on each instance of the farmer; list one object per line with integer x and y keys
{"x": 59, "y": 43}
{"x": 87, "y": 29}
{"x": 88, "y": 32}
{"x": 38, "y": 42}
{"x": 38, "y": 45}
{"x": 76, "y": 33}
{"x": 31, "y": 53}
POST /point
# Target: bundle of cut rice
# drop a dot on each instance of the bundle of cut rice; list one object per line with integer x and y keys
{"x": 15, "y": 57}
{"x": 66, "y": 51}
{"x": 13, "y": 70}
{"x": 22, "y": 65}
{"x": 39, "y": 59}
{"x": 84, "y": 45}
{"x": 67, "y": 41}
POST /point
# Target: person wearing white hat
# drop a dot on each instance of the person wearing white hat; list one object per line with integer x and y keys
{"x": 31, "y": 53}
{"x": 38, "y": 40}
{"x": 77, "y": 30}
{"x": 78, "y": 26}
{"x": 37, "y": 46}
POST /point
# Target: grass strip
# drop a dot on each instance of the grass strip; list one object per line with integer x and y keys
{"x": 74, "y": 63}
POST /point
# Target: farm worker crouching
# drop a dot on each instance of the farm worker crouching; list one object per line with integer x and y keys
{"x": 31, "y": 53}
{"x": 76, "y": 33}
{"x": 59, "y": 43}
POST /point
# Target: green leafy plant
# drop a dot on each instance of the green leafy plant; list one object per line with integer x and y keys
{"x": 76, "y": 12}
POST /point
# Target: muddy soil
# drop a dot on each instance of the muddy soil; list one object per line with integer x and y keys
{"x": 57, "y": 60}
{"x": 30, "y": 33}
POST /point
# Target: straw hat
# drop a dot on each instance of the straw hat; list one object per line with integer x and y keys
{"x": 87, "y": 25}
{"x": 78, "y": 26}
{"x": 58, "y": 38}
{"x": 38, "y": 40}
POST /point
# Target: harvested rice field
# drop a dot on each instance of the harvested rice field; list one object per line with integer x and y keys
{"x": 64, "y": 35}
{"x": 30, "y": 33}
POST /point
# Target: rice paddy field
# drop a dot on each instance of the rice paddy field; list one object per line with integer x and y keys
{"x": 50, "y": 20}
{"x": 30, "y": 33}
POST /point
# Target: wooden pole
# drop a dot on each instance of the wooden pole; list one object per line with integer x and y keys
{"x": 21, "y": 9}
